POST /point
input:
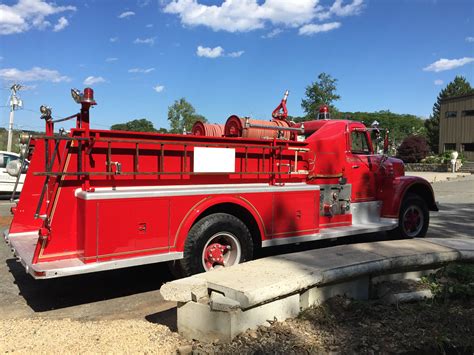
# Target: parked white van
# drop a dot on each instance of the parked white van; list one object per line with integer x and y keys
{"x": 7, "y": 181}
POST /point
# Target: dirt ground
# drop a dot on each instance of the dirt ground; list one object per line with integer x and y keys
{"x": 342, "y": 326}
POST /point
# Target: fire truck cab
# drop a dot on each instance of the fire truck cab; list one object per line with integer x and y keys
{"x": 99, "y": 199}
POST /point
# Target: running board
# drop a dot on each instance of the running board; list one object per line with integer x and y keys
{"x": 385, "y": 224}
{"x": 23, "y": 246}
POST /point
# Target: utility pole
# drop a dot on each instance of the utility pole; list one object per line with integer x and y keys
{"x": 15, "y": 103}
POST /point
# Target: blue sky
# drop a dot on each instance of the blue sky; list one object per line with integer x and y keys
{"x": 229, "y": 57}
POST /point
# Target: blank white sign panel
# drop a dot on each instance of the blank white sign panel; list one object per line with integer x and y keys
{"x": 214, "y": 160}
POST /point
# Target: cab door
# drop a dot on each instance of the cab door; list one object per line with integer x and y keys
{"x": 361, "y": 164}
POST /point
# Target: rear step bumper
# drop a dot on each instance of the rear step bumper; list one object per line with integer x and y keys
{"x": 23, "y": 246}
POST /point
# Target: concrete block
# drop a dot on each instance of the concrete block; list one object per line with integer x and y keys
{"x": 406, "y": 247}
{"x": 306, "y": 269}
{"x": 219, "y": 302}
{"x": 271, "y": 287}
{"x": 356, "y": 289}
{"x": 185, "y": 290}
{"x": 197, "y": 321}
{"x": 465, "y": 247}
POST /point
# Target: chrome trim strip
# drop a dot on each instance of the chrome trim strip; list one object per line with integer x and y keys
{"x": 188, "y": 190}
{"x": 60, "y": 268}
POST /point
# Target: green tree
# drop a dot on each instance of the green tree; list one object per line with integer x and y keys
{"x": 320, "y": 92}
{"x": 182, "y": 115}
{"x": 459, "y": 86}
{"x": 142, "y": 125}
{"x": 399, "y": 125}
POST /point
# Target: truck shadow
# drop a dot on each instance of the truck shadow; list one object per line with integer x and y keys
{"x": 53, "y": 294}
{"x": 452, "y": 220}
{"x": 321, "y": 244}
{"x": 168, "y": 318}
{"x": 47, "y": 295}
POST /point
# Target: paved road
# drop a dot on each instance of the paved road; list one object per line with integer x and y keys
{"x": 134, "y": 292}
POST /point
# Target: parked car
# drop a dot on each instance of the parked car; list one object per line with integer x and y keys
{"x": 7, "y": 181}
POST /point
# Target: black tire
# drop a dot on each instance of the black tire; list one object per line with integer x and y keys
{"x": 415, "y": 205}
{"x": 222, "y": 228}
{"x": 175, "y": 269}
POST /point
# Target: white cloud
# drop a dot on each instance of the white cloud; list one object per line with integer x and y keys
{"x": 141, "y": 70}
{"x": 208, "y": 52}
{"x": 143, "y": 3}
{"x": 92, "y": 80}
{"x": 111, "y": 59}
{"x": 242, "y": 16}
{"x": 354, "y": 8}
{"x": 34, "y": 74}
{"x": 158, "y": 88}
{"x": 470, "y": 39}
{"x": 150, "y": 25}
{"x": 61, "y": 25}
{"x": 126, "y": 14}
{"x": 312, "y": 29}
{"x": 149, "y": 41}
{"x": 113, "y": 39}
{"x": 448, "y": 64}
{"x": 28, "y": 14}
{"x": 248, "y": 15}
{"x": 273, "y": 33}
{"x": 438, "y": 82}
{"x": 216, "y": 52}
{"x": 235, "y": 54}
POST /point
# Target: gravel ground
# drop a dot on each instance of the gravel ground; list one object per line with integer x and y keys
{"x": 46, "y": 336}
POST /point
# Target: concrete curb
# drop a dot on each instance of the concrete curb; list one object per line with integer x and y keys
{"x": 247, "y": 295}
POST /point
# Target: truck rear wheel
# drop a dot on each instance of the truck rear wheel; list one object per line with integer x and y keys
{"x": 413, "y": 219}
{"x": 216, "y": 241}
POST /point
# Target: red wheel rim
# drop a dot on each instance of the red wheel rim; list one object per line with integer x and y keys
{"x": 412, "y": 221}
{"x": 221, "y": 250}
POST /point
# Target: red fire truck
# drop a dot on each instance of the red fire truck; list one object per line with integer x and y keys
{"x": 97, "y": 200}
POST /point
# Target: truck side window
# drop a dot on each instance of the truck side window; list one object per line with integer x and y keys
{"x": 359, "y": 143}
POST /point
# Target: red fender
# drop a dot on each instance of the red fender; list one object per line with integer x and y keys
{"x": 395, "y": 191}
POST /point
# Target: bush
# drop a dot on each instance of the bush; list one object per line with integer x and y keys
{"x": 413, "y": 149}
{"x": 433, "y": 159}
{"x": 453, "y": 281}
{"x": 446, "y": 156}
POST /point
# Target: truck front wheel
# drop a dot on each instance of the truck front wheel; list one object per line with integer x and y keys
{"x": 216, "y": 241}
{"x": 414, "y": 218}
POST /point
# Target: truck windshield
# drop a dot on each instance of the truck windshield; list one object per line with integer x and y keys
{"x": 359, "y": 143}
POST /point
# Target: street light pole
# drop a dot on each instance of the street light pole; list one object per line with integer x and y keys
{"x": 15, "y": 103}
